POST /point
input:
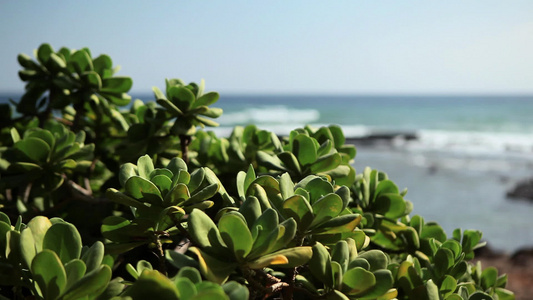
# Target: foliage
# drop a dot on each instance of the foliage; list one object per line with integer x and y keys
{"x": 249, "y": 216}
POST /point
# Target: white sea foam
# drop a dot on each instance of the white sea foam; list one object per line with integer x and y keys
{"x": 270, "y": 115}
{"x": 473, "y": 143}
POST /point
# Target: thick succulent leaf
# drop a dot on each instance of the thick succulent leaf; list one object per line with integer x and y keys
{"x": 42, "y": 134}
{"x": 326, "y": 163}
{"x": 236, "y": 234}
{"x": 285, "y": 258}
{"x": 305, "y": 149}
{"x": 207, "y": 99}
{"x": 203, "y": 194}
{"x": 178, "y": 195}
{"x": 205, "y": 233}
{"x": 152, "y": 285}
{"x": 384, "y": 282}
{"x": 358, "y": 280}
{"x": 75, "y": 269}
{"x": 286, "y": 186}
{"x": 177, "y": 164}
{"x": 34, "y": 148}
{"x": 340, "y": 224}
{"x": 251, "y": 210}
{"x": 212, "y": 268}
{"x": 182, "y": 97}
{"x": 92, "y": 284}
{"x": 326, "y": 208}
{"x": 118, "y": 84}
{"x": 145, "y": 166}
{"x": 341, "y": 255}
{"x": 43, "y": 53}
{"x": 213, "y": 112}
{"x": 376, "y": 258}
{"x": 163, "y": 183}
{"x": 320, "y": 264}
{"x": 444, "y": 260}
{"x": 27, "y": 245}
{"x": 298, "y": 208}
{"x": 263, "y": 226}
{"x": 142, "y": 189}
{"x": 236, "y": 291}
{"x": 65, "y": 240}
{"x": 49, "y": 273}
{"x": 185, "y": 287}
{"x": 290, "y": 162}
{"x": 39, "y": 226}
{"x": 94, "y": 256}
{"x": 173, "y": 109}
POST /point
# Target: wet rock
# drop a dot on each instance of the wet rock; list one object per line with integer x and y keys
{"x": 522, "y": 190}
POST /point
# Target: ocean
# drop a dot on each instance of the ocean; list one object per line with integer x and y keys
{"x": 468, "y": 151}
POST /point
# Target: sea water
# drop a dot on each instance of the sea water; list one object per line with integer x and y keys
{"x": 468, "y": 151}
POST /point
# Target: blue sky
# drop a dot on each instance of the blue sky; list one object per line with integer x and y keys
{"x": 289, "y": 47}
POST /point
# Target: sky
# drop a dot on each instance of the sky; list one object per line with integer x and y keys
{"x": 288, "y": 47}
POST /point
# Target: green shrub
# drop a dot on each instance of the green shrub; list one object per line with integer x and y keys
{"x": 249, "y": 216}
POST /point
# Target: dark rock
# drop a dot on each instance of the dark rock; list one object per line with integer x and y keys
{"x": 522, "y": 190}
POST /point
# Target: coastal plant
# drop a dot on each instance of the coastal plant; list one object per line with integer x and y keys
{"x": 41, "y": 161}
{"x": 46, "y": 257}
{"x": 184, "y": 214}
{"x": 188, "y": 105}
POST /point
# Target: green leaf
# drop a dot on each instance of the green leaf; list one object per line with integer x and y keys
{"x": 204, "y": 233}
{"x": 94, "y": 256}
{"x": 173, "y": 109}
{"x": 145, "y": 166}
{"x": 48, "y": 272}
{"x": 186, "y": 289}
{"x": 92, "y": 284}
{"x": 376, "y": 258}
{"x": 163, "y": 183}
{"x": 236, "y": 291}
{"x": 357, "y": 281}
{"x": 39, "y": 226}
{"x": 489, "y": 277}
{"x": 35, "y": 149}
{"x": 207, "y": 99}
{"x": 305, "y": 149}
{"x": 285, "y": 258}
{"x": 298, "y": 208}
{"x": 212, "y": 268}
{"x": 391, "y": 205}
{"x": 236, "y": 234}
{"x": 319, "y": 264}
{"x": 43, "y": 53}
{"x": 448, "y": 285}
{"x": 326, "y": 163}
{"x": 27, "y": 245}
{"x": 117, "y": 84}
{"x": 65, "y": 240}
{"x": 251, "y": 210}
{"x": 182, "y": 97}
{"x": 92, "y": 79}
{"x": 75, "y": 269}
{"x": 144, "y": 190}
{"x": 326, "y": 208}
{"x": 152, "y": 285}
{"x": 443, "y": 260}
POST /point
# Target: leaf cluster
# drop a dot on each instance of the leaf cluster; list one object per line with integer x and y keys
{"x": 172, "y": 211}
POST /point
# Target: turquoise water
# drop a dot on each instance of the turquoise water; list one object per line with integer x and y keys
{"x": 469, "y": 150}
